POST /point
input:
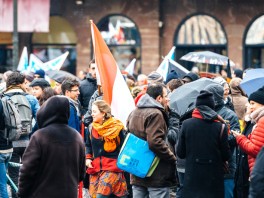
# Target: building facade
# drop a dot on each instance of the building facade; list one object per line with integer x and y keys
{"x": 147, "y": 30}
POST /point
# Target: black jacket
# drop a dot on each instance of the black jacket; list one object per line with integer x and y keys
{"x": 87, "y": 88}
{"x": 205, "y": 150}
{"x": 256, "y": 189}
{"x": 54, "y": 161}
{"x": 4, "y": 145}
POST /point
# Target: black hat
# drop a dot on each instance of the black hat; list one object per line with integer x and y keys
{"x": 257, "y": 96}
{"x": 39, "y": 82}
{"x": 192, "y": 76}
{"x": 172, "y": 75}
{"x": 238, "y": 73}
{"x": 205, "y": 98}
{"x": 40, "y": 72}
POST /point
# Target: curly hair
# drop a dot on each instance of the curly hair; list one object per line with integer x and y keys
{"x": 15, "y": 78}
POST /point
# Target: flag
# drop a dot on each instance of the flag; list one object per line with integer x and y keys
{"x": 130, "y": 68}
{"x": 228, "y": 71}
{"x": 163, "y": 68}
{"x": 56, "y": 63}
{"x": 180, "y": 70}
{"x": 115, "y": 90}
{"x": 34, "y": 63}
{"x": 23, "y": 62}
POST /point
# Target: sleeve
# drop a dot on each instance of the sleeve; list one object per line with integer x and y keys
{"x": 181, "y": 145}
{"x": 82, "y": 161}
{"x": 34, "y": 104}
{"x": 71, "y": 121}
{"x": 88, "y": 144}
{"x": 156, "y": 137}
{"x": 28, "y": 171}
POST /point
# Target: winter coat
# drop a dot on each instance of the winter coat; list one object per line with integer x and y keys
{"x": 252, "y": 145}
{"x": 242, "y": 172}
{"x": 54, "y": 161}
{"x": 238, "y": 98}
{"x": 74, "y": 120}
{"x": 257, "y": 177}
{"x": 102, "y": 160}
{"x": 148, "y": 121}
{"x": 205, "y": 149}
{"x": 87, "y": 88}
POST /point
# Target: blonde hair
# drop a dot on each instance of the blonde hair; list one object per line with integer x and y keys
{"x": 103, "y": 108}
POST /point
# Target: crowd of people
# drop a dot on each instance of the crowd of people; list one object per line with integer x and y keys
{"x": 214, "y": 150}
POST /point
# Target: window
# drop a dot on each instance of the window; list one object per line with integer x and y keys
{"x": 200, "y": 33}
{"x": 254, "y": 44}
{"x": 60, "y": 38}
{"x": 123, "y": 39}
{"x": 6, "y": 52}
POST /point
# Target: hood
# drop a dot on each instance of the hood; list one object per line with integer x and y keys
{"x": 148, "y": 102}
{"x": 55, "y": 110}
{"x": 90, "y": 78}
{"x": 218, "y": 91}
{"x": 235, "y": 86}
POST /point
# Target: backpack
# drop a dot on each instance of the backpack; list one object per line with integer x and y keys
{"x": 12, "y": 120}
{"x": 23, "y": 106}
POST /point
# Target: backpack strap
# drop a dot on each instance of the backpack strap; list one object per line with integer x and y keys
{"x": 10, "y": 94}
{"x": 2, "y": 118}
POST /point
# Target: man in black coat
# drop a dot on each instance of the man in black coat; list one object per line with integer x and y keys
{"x": 54, "y": 161}
{"x": 87, "y": 87}
{"x": 203, "y": 142}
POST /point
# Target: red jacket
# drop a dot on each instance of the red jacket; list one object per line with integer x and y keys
{"x": 253, "y": 143}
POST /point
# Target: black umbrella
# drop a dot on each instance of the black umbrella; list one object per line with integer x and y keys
{"x": 60, "y": 75}
{"x": 182, "y": 100}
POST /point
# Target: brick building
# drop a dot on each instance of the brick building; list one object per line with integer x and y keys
{"x": 150, "y": 28}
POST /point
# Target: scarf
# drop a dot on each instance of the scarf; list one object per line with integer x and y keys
{"x": 76, "y": 105}
{"x": 257, "y": 114}
{"x": 206, "y": 113}
{"x": 109, "y": 130}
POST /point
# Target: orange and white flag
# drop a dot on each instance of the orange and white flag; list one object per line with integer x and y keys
{"x": 115, "y": 90}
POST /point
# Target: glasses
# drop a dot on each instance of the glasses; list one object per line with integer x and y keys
{"x": 74, "y": 90}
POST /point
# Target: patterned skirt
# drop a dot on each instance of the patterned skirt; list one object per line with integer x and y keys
{"x": 106, "y": 183}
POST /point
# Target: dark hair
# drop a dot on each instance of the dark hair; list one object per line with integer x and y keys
{"x": 15, "y": 78}
{"x": 46, "y": 94}
{"x": 155, "y": 89}
{"x": 92, "y": 61}
{"x": 174, "y": 84}
{"x": 68, "y": 84}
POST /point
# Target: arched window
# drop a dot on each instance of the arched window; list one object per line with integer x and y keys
{"x": 6, "y": 48}
{"x": 254, "y": 44}
{"x": 58, "y": 40}
{"x": 123, "y": 39}
{"x": 200, "y": 32}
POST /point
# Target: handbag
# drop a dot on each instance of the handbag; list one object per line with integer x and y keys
{"x": 136, "y": 158}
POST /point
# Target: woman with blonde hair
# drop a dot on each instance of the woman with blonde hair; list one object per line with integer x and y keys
{"x": 103, "y": 144}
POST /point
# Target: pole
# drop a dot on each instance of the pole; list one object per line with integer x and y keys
{"x": 15, "y": 36}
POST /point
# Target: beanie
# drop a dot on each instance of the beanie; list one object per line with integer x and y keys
{"x": 205, "y": 98}
{"x": 41, "y": 82}
{"x": 220, "y": 80}
{"x": 192, "y": 76}
{"x": 218, "y": 91}
{"x": 257, "y": 96}
{"x": 238, "y": 73}
{"x": 41, "y": 73}
{"x": 155, "y": 77}
{"x": 172, "y": 75}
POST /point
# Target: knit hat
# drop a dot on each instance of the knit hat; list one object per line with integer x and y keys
{"x": 218, "y": 91}
{"x": 190, "y": 76}
{"x": 257, "y": 96}
{"x": 238, "y": 73}
{"x": 40, "y": 72}
{"x": 39, "y": 82}
{"x": 205, "y": 98}
{"x": 155, "y": 77}
{"x": 220, "y": 80}
{"x": 172, "y": 75}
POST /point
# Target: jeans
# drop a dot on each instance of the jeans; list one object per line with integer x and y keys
{"x": 4, "y": 159}
{"x": 179, "y": 192}
{"x": 142, "y": 192}
{"x": 229, "y": 188}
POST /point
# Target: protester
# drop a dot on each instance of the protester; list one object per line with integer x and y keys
{"x": 154, "y": 77}
{"x": 38, "y": 85}
{"x": 102, "y": 148}
{"x": 88, "y": 87}
{"x": 237, "y": 73}
{"x": 174, "y": 84}
{"x": 232, "y": 119}
{"x": 82, "y": 74}
{"x": 203, "y": 142}
{"x": 57, "y": 87}
{"x": 172, "y": 75}
{"x": 149, "y": 122}
{"x": 242, "y": 173}
{"x": 70, "y": 89}
{"x": 257, "y": 177}
{"x": 190, "y": 77}
{"x": 252, "y": 145}
{"x": 46, "y": 94}
{"x": 54, "y": 161}
{"x": 39, "y": 74}
{"x": 142, "y": 79}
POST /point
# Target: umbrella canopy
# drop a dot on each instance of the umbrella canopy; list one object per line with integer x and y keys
{"x": 60, "y": 75}
{"x": 182, "y": 100}
{"x": 253, "y": 80}
{"x": 207, "y": 57}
